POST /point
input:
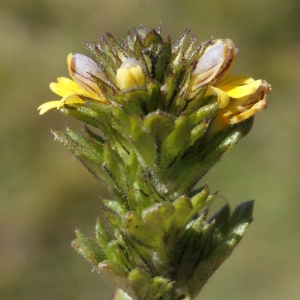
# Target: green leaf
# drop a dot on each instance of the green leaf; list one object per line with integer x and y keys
{"x": 199, "y": 199}
{"x": 227, "y": 232}
{"x": 202, "y": 114}
{"x": 242, "y": 213}
{"x": 88, "y": 248}
{"x": 144, "y": 143}
{"x": 140, "y": 258}
{"x": 117, "y": 48}
{"x": 194, "y": 165}
{"x": 103, "y": 237}
{"x": 115, "y": 252}
{"x": 175, "y": 143}
{"x": 221, "y": 219}
{"x": 179, "y": 218}
{"x": 163, "y": 61}
{"x": 117, "y": 275}
{"x": 159, "y": 125}
{"x": 113, "y": 218}
{"x": 153, "y": 38}
{"x": 160, "y": 289}
{"x": 141, "y": 282}
{"x": 135, "y": 227}
{"x": 115, "y": 168}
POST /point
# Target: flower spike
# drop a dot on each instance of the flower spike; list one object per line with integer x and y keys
{"x": 159, "y": 117}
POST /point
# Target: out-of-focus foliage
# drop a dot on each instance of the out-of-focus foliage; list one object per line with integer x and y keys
{"x": 45, "y": 194}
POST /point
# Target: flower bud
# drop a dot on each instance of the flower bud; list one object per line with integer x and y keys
{"x": 130, "y": 74}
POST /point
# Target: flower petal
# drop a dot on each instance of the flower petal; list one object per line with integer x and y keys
{"x": 233, "y": 81}
{"x": 81, "y": 68}
{"x": 47, "y": 106}
{"x": 65, "y": 87}
{"x": 138, "y": 75}
{"x": 223, "y": 98}
{"x": 124, "y": 78}
{"x": 130, "y": 74}
{"x": 244, "y": 90}
{"x": 72, "y": 99}
{"x": 257, "y": 107}
{"x": 214, "y": 63}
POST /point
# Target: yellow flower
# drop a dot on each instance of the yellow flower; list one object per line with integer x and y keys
{"x": 130, "y": 74}
{"x": 239, "y": 97}
{"x": 246, "y": 98}
{"x": 235, "y": 90}
{"x": 82, "y": 69}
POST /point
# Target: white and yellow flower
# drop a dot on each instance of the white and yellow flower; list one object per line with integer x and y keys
{"x": 239, "y": 97}
{"x": 81, "y": 69}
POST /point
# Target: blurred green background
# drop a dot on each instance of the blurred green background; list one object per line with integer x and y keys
{"x": 45, "y": 194}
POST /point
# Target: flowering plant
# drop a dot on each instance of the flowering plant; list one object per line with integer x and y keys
{"x": 158, "y": 118}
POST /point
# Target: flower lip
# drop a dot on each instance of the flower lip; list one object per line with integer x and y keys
{"x": 252, "y": 99}
{"x": 81, "y": 68}
{"x": 216, "y": 61}
{"x": 229, "y": 56}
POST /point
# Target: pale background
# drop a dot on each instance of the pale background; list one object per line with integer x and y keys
{"x": 45, "y": 194}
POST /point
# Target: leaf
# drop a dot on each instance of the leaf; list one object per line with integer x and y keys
{"x": 159, "y": 125}
{"x": 117, "y": 275}
{"x": 88, "y": 248}
{"x": 175, "y": 143}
